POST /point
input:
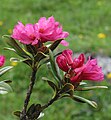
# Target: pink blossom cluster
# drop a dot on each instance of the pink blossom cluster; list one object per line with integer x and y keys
{"x": 50, "y": 30}
{"x": 77, "y": 68}
{"x": 2, "y": 60}
{"x": 44, "y": 30}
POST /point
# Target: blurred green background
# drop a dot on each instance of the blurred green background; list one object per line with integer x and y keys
{"x": 89, "y": 25}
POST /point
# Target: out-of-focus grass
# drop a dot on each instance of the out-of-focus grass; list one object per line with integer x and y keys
{"x": 84, "y": 20}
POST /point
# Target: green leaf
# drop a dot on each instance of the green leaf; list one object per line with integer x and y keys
{"x": 5, "y": 69}
{"x": 8, "y": 81}
{"x": 14, "y": 59}
{"x": 71, "y": 92}
{"x": 31, "y": 110}
{"x": 82, "y": 83}
{"x": 37, "y": 107}
{"x": 91, "y": 88}
{"x": 65, "y": 95}
{"x": 4, "y": 88}
{"x": 43, "y": 61}
{"x": 57, "y": 54}
{"x": 40, "y": 116}
{"x": 28, "y": 61}
{"x": 52, "y": 46}
{"x": 51, "y": 84}
{"x": 11, "y": 42}
{"x": 31, "y": 49}
{"x": 11, "y": 49}
{"x": 83, "y": 100}
{"x": 39, "y": 56}
{"x": 54, "y": 65}
{"x": 55, "y": 44}
{"x": 17, "y": 113}
{"x": 67, "y": 88}
{"x": 36, "y": 113}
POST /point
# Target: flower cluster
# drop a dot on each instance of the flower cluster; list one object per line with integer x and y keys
{"x": 77, "y": 69}
{"x": 2, "y": 60}
{"x": 50, "y": 30}
{"x": 42, "y": 31}
{"x": 34, "y": 53}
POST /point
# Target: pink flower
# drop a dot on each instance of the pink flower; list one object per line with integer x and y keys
{"x": 2, "y": 60}
{"x": 65, "y": 59}
{"x": 76, "y": 68}
{"x": 25, "y": 34}
{"x": 50, "y": 30}
{"x": 43, "y": 31}
{"x": 89, "y": 71}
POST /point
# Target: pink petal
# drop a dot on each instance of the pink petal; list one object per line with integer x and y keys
{"x": 64, "y": 43}
{"x": 29, "y": 28}
{"x": 62, "y": 63}
{"x": 2, "y": 60}
{"x": 35, "y": 42}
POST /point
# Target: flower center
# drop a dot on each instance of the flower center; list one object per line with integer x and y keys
{"x": 32, "y": 37}
{"x": 41, "y": 30}
{"x": 71, "y": 73}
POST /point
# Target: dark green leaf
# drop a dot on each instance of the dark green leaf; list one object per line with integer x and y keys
{"x": 64, "y": 95}
{"x": 43, "y": 61}
{"x": 28, "y": 62}
{"x": 39, "y": 56}
{"x": 77, "y": 99}
{"x": 11, "y": 42}
{"x": 51, "y": 84}
{"x": 91, "y": 88}
{"x": 83, "y": 100}
{"x": 71, "y": 92}
{"x": 17, "y": 113}
{"x": 37, "y": 107}
{"x": 67, "y": 88}
{"x": 5, "y": 69}
{"x": 31, "y": 49}
{"x": 34, "y": 111}
{"x": 11, "y": 49}
{"x": 82, "y": 83}
{"x": 8, "y": 81}
{"x": 31, "y": 110}
{"x": 57, "y": 54}
{"x": 52, "y": 73}
{"x": 4, "y": 88}
{"x": 15, "y": 59}
{"x": 35, "y": 115}
{"x": 54, "y": 65}
{"x": 55, "y": 44}
{"x": 41, "y": 115}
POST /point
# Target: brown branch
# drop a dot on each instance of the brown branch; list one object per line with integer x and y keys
{"x": 29, "y": 92}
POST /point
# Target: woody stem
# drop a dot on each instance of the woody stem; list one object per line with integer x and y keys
{"x": 29, "y": 92}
